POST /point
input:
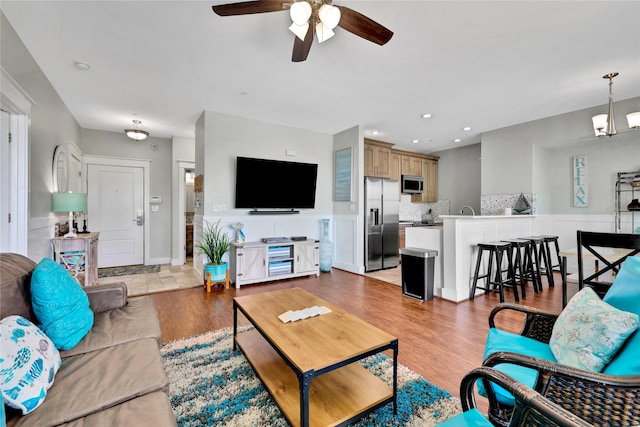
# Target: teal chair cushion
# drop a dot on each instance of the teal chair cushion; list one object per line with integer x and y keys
{"x": 471, "y": 418}
{"x": 624, "y": 295}
{"x": 498, "y": 340}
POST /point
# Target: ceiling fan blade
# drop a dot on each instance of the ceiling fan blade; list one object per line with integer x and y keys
{"x": 249, "y": 7}
{"x": 364, "y": 27}
{"x": 301, "y": 48}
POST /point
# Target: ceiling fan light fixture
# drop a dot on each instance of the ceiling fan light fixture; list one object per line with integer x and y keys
{"x": 300, "y": 12}
{"x": 633, "y": 119}
{"x": 299, "y": 30}
{"x": 136, "y": 132}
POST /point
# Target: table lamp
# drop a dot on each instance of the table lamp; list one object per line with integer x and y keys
{"x": 70, "y": 202}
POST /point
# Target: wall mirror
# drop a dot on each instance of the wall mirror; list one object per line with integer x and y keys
{"x": 60, "y": 174}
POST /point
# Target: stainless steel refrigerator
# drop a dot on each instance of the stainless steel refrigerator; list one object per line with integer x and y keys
{"x": 382, "y": 203}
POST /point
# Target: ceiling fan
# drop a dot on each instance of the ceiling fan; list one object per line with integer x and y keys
{"x": 312, "y": 17}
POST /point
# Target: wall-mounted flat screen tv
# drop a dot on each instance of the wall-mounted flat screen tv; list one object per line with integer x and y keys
{"x": 275, "y": 184}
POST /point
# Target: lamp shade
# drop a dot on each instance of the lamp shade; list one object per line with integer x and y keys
{"x": 300, "y": 12}
{"x": 69, "y": 202}
{"x": 599, "y": 124}
{"x": 633, "y": 119}
{"x": 329, "y": 15}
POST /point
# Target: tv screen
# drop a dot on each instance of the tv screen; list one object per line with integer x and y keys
{"x": 275, "y": 184}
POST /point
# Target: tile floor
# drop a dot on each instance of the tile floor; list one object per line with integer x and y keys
{"x": 167, "y": 279}
{"x": 170, "y": 278}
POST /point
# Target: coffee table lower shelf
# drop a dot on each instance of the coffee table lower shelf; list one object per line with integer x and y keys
{"x": 335, "y": 397}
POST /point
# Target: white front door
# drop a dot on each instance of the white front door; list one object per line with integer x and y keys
{"x": 115, "y": 198}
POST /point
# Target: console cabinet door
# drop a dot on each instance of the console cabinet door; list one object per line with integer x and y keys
{"x": 306, "y": 258}
{"x": 251, "y": 264}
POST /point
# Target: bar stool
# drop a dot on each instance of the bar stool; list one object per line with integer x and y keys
{"x": 522, "y": 265}
{"x": 496, "y": 250}
{"x": 532, "y": 258}
{"x": 549, "y": 267}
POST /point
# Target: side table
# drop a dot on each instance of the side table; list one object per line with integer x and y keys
{"x": 79, "y": 256}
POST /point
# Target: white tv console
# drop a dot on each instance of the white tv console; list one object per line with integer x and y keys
{"x": 256, "y": 262}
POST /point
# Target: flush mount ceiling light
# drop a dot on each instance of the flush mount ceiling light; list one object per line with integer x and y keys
{"x": 136, "y": 132}
{"x": 426, "y": 116}
{"x": 604, "y": 124}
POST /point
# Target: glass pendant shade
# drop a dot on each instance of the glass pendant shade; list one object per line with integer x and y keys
{"x": 299, "y": 30}
{"x": 633, "y": 119}
{"x": 323, "y": 32}
{"x": 329, "y": 15}
{"x": 300, "y": 12}
{"x": 599, "y": 124}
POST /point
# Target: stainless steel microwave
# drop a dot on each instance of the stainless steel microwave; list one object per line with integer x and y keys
{"x": 412, "y": 184}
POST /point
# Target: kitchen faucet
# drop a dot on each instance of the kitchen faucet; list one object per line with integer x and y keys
{"x": 461, "y": 211}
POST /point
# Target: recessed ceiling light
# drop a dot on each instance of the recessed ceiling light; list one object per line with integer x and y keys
{"x": 375, "y": 132}
{"x": 82, "y": 66}
{"x": 466, "y": 128}
{"x": 457, "y": 140}
{"x": 415, "y": 141}
{"x": 426, "y": 116}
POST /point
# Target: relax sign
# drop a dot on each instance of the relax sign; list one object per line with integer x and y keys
{"x": 580, "y": 195}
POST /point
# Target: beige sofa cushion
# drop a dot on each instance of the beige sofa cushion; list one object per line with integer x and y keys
{"x": 136, "y": 320}
{"x": 149, "y": 410}
{"x": 91, "y": 382}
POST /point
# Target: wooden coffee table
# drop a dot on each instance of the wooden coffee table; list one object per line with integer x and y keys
{"x": 308, "y": 365}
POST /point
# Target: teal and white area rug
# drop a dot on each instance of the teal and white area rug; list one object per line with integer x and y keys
{"x": 211, "y": 385}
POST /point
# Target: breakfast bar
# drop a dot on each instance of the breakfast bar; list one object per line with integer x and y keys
{"x": 461, "y": 234}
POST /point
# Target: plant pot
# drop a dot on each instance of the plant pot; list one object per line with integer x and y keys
{"x": 218, "y": 272}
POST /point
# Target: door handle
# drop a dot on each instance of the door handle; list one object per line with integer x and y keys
{"x": 139, "y": 218}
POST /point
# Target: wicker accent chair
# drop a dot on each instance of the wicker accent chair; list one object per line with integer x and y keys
{"x": 531, "y": 408}
{"x": 607, "y": 398}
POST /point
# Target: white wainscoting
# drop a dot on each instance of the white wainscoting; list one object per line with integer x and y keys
{"x": 346, "y": 244}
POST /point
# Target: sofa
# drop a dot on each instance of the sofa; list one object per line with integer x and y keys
{"x": 114, "y": 375}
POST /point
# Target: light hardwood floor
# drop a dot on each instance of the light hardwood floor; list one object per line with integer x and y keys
{"x": 438, "y": 339}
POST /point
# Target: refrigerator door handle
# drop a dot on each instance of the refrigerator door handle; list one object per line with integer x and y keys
{"x": 374, "y": 218}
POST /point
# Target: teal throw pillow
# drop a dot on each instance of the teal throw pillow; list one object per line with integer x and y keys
{"x": 589, "y": 332}
{"x": 60, "y": 304}
{"x": 624, "y": 295}
{"x": 28, "y": 363}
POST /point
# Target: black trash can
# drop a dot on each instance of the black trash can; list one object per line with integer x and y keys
{"x": 417, "y": 272}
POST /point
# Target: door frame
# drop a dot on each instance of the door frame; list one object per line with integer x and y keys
{"x": 179, "y": 232}
{"x": 88, "y": 159}
{"x": 15, "y": 101}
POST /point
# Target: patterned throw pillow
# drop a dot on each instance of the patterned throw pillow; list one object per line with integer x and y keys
{"x": 60, "y": 304}
{"x": 589, "y": 332}
{"x": 28, "y": 363}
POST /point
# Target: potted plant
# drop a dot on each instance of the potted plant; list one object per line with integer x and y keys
{"x": 214, "y": 245}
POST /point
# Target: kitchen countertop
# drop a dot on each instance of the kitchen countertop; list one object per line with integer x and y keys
{"x": 485, "y": 216}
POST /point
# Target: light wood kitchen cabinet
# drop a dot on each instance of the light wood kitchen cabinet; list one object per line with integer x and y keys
{"x": 395, "y": 167}
{"x": 377, "y": 158}
{"x": 430, "y": 176}
{"x": 411, "y": 165}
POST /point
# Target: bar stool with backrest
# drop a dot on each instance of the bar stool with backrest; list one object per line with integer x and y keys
{"x": 497, "y": 251}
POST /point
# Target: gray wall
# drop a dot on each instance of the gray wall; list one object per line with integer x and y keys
{"x": 459, "y": 177}
{"x": 535, "y": 157}
{"x": 114, "y": 144}
{"x": 225, "y": 137}
{"x": 51, "y": 124}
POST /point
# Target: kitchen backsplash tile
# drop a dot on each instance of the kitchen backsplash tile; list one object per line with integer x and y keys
{"x": 414, "y": 211}
{"x": 494, "y": 204}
